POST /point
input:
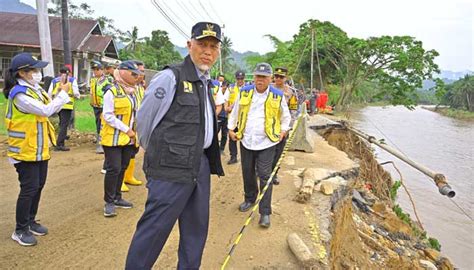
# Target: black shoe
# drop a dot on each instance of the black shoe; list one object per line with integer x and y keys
{"x": 264, "y": 221}
{"x": 123, "y": 204}
{"x": 276, "y": 181}
{"x": 232, "y": 160}
{"x": 245, "y": 206}
{"x": 109, "y": 210}
{"x": 24, "y": 238}
{"x": 61, "y": 148}
{"x": 38, "y": 229}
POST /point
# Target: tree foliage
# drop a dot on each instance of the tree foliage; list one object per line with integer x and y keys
{"x": 460, "y": 94}
{"x": 394, "y": 67}
{"x": 156, "y": 51}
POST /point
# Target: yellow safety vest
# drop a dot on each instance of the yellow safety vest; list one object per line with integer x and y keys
{"x": 139, "y": 94}
{"x": 123, "y": 109}
{"x": 234, "y": 91}
{"x": 28, "y": 134}
{"x": 97, "y": 96}
{"x": 293, "y": 103}
{"x": 57, "y": 86}
{"x": 272, "y": 112}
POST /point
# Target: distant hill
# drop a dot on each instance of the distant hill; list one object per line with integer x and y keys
{"x": 447, "y": 76}
{"x": 238, "y": 56}
{"x": 15, "y": 6}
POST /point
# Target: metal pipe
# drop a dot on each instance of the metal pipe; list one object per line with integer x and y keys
{"x": 440, "y": 180}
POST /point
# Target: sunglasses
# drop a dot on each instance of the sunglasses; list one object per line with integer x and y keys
{"x": 279, "y": 76}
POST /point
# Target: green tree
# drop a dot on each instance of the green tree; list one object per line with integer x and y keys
{"x": 460, "y": 94}
{"x": 131, "y": 38}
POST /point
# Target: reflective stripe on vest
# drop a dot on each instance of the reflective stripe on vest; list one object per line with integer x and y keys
{"x": 124, "y": 106}
{"x": 234, "y": 91}
{"x": 97, "y": 95}
{"x": 57, "y": 86}
{"x": 272, "y": 112}
{"x": 28, "y": 134}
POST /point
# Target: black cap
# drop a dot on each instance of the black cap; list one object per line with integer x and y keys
{"x": 130, "y": 65}
{"x": 281, "y": 71}
{"x": 64, "y": 70}
{"x": 239, "y": 75}
{"x": 96, "y": 65}
{"x": 263, "y": 69}
{"x": 26, "y": 60}
{"x": 206, "y": 29}
{"x": 113, "y": 65}
{"x": 139, "y": 63}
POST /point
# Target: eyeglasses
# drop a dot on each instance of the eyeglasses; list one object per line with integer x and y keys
{"x": 279, "y": 76}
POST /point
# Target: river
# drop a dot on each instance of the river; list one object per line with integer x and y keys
{"x": 444, "y": 145}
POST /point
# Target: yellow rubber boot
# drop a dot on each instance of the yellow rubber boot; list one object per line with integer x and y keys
{"x": 124, "y": 187}
{"x": 128, "y": 176}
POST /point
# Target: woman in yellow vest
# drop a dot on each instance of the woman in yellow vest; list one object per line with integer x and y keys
{"x": 139, "y": 94}
{"x": 118, "y": 133}
{"x": 29, "y": 133}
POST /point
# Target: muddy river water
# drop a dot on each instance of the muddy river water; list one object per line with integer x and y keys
{"x": 444, "y": 145}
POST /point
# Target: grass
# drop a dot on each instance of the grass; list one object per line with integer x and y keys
{"x": 85, "y": 120}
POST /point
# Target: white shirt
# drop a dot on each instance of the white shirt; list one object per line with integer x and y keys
{"x": 254, "y": 137}
{"x": 221, "y": 98}
{"x": 30, "y": 105}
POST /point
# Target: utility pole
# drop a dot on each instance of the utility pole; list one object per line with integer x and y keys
{"x": 45, "y": 37}
{"x": 312, "y": 56}
{"x": 66, "y": 40}
{"x": 220, "y": 56}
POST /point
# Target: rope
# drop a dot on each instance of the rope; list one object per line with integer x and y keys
{"x": 406, "y": 190}
{"x": 262, "y": 192}
{"x": 396, "y": 146}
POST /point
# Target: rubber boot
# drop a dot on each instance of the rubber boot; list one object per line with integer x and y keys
{"x": 128, "y": 176}
{"x": 124, "y": 187}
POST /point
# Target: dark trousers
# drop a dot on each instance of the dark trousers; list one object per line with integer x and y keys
{"x": 64, "y": 120}
{"x": 233, "y": 147}
{"x": 32, "y": 177}
{"x": 97, "y": 114}
{"x": 116, "y": 162}
{"x": 259, "y": 162}
{"x": 222, "y": 126}
{"x": 278, "y": 151}
{"x": 167, "y": 202}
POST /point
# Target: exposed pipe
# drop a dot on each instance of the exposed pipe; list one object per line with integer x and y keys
{"x": 440, "y": 180}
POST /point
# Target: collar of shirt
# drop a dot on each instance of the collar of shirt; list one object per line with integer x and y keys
{"x": 204, "y": 76}
{"x": 264, "y": 93}
{"x": 27, "y": 84}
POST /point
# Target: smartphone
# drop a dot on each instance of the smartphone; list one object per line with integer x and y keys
{"x": 64, "y": 78}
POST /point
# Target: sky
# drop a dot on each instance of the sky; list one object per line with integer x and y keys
{"x": 443, "y": 25}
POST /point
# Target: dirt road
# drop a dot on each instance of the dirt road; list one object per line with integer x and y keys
{"x": 81, "y": 238}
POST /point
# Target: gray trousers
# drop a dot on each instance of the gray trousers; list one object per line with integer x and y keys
{"x": 257, "y": 162}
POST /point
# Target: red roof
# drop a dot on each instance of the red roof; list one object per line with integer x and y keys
{"x": 22, "y": 30}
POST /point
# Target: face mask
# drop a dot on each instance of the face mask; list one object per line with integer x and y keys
{"x": 36, "y": 77}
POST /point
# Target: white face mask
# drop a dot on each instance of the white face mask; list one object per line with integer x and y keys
{"x": 36, "y": 77}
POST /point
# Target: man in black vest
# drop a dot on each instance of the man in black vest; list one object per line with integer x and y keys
{"x": 178, "y": 130}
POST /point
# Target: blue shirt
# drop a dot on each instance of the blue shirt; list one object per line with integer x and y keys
{"x": 157, "y": 101}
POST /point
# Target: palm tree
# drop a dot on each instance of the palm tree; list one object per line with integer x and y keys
{"x": 226, "y": 52}
{"x": 132, "y": 39}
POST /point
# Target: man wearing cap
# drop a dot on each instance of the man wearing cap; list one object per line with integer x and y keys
{"x": 178, "y": 129}
{"x": 109, "y": 71}
{"x": 97, "y": 83}
{"x": 118, "y": 133}
{"x": 234, "y": 90}
{"x": 280, "y": 83}
{"x": 66, "y": 112}
{"x": 262, "y": 118}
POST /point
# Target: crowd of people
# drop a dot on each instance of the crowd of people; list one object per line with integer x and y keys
{"x": 176, "y": 120}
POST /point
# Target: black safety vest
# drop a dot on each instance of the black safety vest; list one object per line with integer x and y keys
{"x": 176, "y": 144}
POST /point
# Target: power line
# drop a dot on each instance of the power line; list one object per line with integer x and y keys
{"x": 187, "y": 11}
{"x": 169, "y": 19}
{"x": 176, "y": 16}
{"x": 196, "y": 10}
{"x": 205, "y": 10}
{"x": 217, "y": 14}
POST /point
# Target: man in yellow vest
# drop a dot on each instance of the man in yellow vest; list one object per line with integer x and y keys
{"x": 66, "y": 111}
{"x": 97, "y": 83}
{"x": 262, "y": 118}
{"x": 234, "y": 91}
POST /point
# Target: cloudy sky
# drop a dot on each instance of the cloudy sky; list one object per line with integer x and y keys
{"x": 443, "y": 25}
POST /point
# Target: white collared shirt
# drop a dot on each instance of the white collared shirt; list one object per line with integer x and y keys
{"x": 254, "y": 137}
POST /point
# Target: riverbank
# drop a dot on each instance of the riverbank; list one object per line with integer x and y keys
{"x": 453, "y": 113}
